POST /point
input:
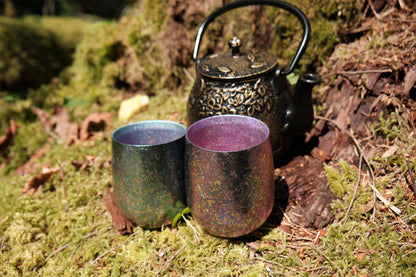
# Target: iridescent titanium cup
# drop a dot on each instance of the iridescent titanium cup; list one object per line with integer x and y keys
{"x": 148, "y": 171}
{"x": 229, "y": 174}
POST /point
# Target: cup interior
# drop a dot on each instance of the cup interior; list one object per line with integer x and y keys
{"x": 227, "y": 133}
{"x": 151, "y": 132}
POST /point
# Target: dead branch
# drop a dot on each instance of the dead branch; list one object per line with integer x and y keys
{"x": 114, "y": 248}
{"x": 356, "y": 188}
{"x": 171, "y": 259}
{"x": 412, "y": 176}
{"x": 64, "y": 188}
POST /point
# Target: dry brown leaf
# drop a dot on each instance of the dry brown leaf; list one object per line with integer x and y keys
{"x": 60, "y": 123}
{"x": 31, "y": 166}
{"x": 66, "y": 130}
{"x": 90, "y": 160}
{"x": 174, "y": 116}
{"x": 410, "y": 80}
{"x": 37, "y": 181}
{"x": 43, "y": 118}
{"x": 7, "y": 139}
{"x": 123, "y": 225}
{"x": 93, "y": 124}
{"x": 368, "y": 206}
{"x": 360, "y": 256}
{"x": 390, "y": 151}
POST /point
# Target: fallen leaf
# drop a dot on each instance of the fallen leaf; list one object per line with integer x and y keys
{"x": 37, "y": 181}
{"x": 360, "y": 256}
{"x": 132, "y": 105}
{"x": 43, "y": 118}
{"x": 368, "y": 206}
{"x": 410, "y": 80}
{"x": 31, "y": 166}
{"x": 286, "y": 228}
{"x": 390, "y": 152}
{"x": 66, "y": 130}
{"x": 90, "y": 160}
{"x": 7, "y": 139}
{"x": 93, "y": 124}
{"x": 320, "y": 155}
{"x": 123, "y": 225}
{"x": 174, "y": 116}
{"x": 60, "y": 123}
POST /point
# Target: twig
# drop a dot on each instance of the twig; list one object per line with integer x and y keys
{"x": 408, "y": 253}
{"x": 274, "y": 263}
{"x": 374, "y": 10}
{"x": 67, "y": 245}
{"x": 171, "y": 259}
{"x": 412, "y": 176}
{"x": 63, "y": 247}
{"x": 406, "y": 244}
{"x": 193, "y": 229}
{"x": 403, "y": 5}
{"x": 409, "y": 218}
{"x": 356, "y": 188}
{"x": 373, "y": 215}
{"x": 387, "y": 70}
{"x": 329, "y": 260}
{"x": 318, "y": 268}
{"x": 64, "y": 189}
{"x": 114, "y": 248}
{"x": 371, "y": 184}
{"x": 74, "y": 251}
{"x": 3, "y": 238}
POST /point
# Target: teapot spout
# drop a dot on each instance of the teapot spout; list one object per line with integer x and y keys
{"x": 301, "y": 116}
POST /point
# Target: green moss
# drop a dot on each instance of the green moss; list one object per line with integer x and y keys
{"x": 340, "y": 181}
{"x": 30, "y": 137}
{"x": 32, "y": 52}
{"x": 388, "y": 127}
{"x": 64, "y": 229}
{"x": 92, "y": 57}
{"x": 69, "y": 31}
{"x": 53, "y": 233}
{"x": 380, "y": 253}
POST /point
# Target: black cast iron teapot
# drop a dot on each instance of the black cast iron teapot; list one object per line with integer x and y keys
{"x": 252, "y": 83}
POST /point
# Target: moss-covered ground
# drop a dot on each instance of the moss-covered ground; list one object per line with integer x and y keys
{"x": 64, "y": 228}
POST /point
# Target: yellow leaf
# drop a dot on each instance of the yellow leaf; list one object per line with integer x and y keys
{"x": 132, "y": 105}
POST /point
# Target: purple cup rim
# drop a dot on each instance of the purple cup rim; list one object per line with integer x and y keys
{"x": 181, "y": 131}
{"x": 214, "y": 117}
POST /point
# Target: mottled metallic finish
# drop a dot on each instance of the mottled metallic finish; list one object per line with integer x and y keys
{"x": 229, "y": 174}
{"x": 148, "y": 172}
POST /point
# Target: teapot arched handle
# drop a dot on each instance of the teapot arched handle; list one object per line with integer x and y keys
{"x": 242, "y": 3}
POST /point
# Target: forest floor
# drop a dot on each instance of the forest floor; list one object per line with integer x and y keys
{"x": 54, "y": 220}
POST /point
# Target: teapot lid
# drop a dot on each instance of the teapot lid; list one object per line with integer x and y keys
{"x": 235, "y": 64}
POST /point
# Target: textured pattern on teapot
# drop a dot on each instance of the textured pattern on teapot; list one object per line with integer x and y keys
{"x": 248, "y": 98}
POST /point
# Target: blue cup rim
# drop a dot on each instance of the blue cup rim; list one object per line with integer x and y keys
{"x": 258, "y": 121}
{"x": 179, "y": 127}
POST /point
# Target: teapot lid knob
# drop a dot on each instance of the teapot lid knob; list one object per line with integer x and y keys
{"x": 235, "y": 44}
